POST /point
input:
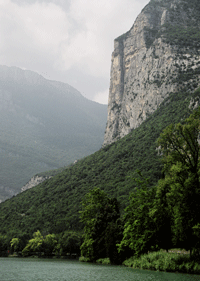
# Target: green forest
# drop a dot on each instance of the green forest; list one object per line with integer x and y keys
{"x": 130, "y": 188}
{"x": 134, "y": 202}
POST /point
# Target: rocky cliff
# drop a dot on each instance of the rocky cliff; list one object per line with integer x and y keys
{"x": 33, "y": 182}
{"x": 157, "y": 57}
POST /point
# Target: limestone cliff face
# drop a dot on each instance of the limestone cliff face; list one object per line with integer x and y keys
{"x": 148, "y": 62}
{"x": 34, "y": 181}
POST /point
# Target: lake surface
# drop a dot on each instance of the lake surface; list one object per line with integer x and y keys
{"x": 29, "y": 269}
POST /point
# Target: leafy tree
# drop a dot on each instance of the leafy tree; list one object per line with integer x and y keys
{"x": 114, "y": 234}
{"x": 179, "y": 145}
{"x": 139, "y": 228}
{"x": 3, "y": 245}
{"x": 100, "y": 216}
{"x": 50, "y": 242}
{"x": 69, "y": 242}
{"x": 161, "y": 214}
{"x": 15, "y": 244}
{"x": 35, "y": 244}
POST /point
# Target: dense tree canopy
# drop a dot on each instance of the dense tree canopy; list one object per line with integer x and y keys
{"x": 180, "y": 149}
{"x": 139, "y": 229}
{"x": 102, "y": 226}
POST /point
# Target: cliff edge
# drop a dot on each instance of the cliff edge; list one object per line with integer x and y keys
{"x": 157, "y": 57}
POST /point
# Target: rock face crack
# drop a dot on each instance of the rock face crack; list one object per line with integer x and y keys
{"x": 148, "y": 61}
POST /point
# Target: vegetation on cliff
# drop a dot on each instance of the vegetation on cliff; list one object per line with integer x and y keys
{"x": 54, "y": 205}
{"x": 96, "y": 205}
{"x": 165, "y": 216}
{"x": 157, "y": 217}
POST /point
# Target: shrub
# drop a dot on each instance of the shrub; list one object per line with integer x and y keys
{"x": 162, "y": 261}
{"x": 103, "y": 261}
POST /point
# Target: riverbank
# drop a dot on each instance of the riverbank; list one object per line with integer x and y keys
{"x": 21, "y": 269}
{"x": 174, "y": 261}
{"x": 169, "y": 262}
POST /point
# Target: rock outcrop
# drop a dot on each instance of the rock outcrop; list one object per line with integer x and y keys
{"x": 157, "y": 57}
{"x": 34, "y": 181}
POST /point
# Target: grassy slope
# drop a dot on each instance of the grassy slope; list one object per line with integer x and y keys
{"x": 53, "y": 205}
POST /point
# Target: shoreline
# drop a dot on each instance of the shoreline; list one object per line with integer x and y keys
{"x": 174, "y": 261}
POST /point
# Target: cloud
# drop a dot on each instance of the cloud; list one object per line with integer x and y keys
{"x": 57, "y": 37}
{"x": 101, "y": 97}
{"x": 32, "y": 33}
{"x": 99, "y": 22}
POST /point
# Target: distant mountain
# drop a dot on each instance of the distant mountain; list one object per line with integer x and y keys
{"x": 169, "y": 60}
{"x": 44, "y": 125}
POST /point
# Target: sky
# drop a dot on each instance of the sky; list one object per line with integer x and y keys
{"x": 66, "y": 40}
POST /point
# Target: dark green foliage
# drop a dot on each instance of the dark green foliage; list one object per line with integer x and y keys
{"x": 171, "y": 262}
{"x": 139, "y": 229}
{"x": 112, "y": 238}
{"x": 102, "y": 227}
{"x": 3, "y": 245}
{"x": 181, "y": 28}
{"x": 34, "y": 245}
{"x": 69, "y": 243}
{"x": 52, "y": 207}
{"x": 180, "y": 189}
{"x": 49, "y": 244}
{"x": 66, "y": 244}
{"x": 162, "y": 216}
{"x": 168, "y": 215}
{"x": 182, "y": 37}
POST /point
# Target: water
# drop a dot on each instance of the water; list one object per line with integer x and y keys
{"x": 20, "y": 269}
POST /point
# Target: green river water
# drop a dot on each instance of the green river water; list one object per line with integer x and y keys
{"x": 29, "y": 269}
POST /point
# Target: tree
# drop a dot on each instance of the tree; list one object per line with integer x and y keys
{"x": 179, "y": 145}
{"x": 69, "y": 242}
{"x": 139, "y": 228}
{"x": 3, "y": 245}
{"x": 50, "y": 242}
{"x": 113, "y": 236}
{"x": 15, "y": 244}
{"x": 34, "y": 245}
{"x": 100, "y": 216}
{"x": 161, "y": 214}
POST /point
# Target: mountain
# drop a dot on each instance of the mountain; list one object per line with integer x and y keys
{"x": 158, "y": 56}
{"x": 53, "y": 206}
{"x": 44, "y": 125}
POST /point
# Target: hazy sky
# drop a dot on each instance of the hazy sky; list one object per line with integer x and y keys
{"x": 66, "y": 40}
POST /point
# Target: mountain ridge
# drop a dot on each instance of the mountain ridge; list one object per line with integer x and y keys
{"x": 53, "y": 206}
{"x": 45, "y": 125}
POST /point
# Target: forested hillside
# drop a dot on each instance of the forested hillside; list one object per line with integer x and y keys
{"x": 97, "y": 206}
{"x": 53, "y": 206}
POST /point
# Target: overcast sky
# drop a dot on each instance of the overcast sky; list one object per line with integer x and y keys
{"x": 66, "y": 40}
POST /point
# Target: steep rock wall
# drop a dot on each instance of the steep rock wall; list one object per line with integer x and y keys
{"x": 148, "y": 62}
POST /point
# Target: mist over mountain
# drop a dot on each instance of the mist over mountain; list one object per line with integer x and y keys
{"x": 44, "y": 125}
{"x": 155, "y": 74}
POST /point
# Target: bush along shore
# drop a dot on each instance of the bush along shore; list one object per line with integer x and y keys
{"x": 163, "y": 261}
{"x": 162, "y": 216}
{"x": 176, "y": 260}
